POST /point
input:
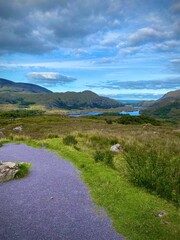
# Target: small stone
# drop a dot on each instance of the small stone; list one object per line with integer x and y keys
{"x": 52, "y": 198}
{"x": 161, "y": 214}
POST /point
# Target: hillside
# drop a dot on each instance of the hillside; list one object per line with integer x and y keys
{"x": 23, "y": 95}
{"x": 10, "y": 86}
{"x": 167, "y": 107}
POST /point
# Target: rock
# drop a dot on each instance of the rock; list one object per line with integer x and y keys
{"x": 8, "y": 171}
{"x": 161, "y": 213}
{"x": 115, "y": 148}
{"x": 19, "y": 128}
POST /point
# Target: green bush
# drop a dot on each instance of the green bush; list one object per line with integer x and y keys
{"x": 23, "y": 170}
{"x": 105, "y": 157}
{"x": 108, "y": 121}
{"x": 20, "y": 113}
{"x": 69, "y": 140}
{"x": 127, "y": 119}
{"x": 155, "y": 170}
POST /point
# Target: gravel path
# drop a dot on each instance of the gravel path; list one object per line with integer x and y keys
{"x": 51, "y": 203}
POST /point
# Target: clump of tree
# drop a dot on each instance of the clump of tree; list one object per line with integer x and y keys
{"x": 136, "y": 120}
{"x": 127, "y": 119}
{"x": 20, "y": 113}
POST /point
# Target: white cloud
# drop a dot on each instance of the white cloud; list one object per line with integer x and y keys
{"x": 49, "y": 78}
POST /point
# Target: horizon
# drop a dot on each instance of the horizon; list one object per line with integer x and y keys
{"x": 125, "y": 50}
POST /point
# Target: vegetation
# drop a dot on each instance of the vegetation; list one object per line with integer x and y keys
{"x": 105, "y": 157}
{"x": 155, "y": 169}
{"x": 24, "y": 168}
{"x": 20, "y": 113}
{"x": 69, "y": 140}
{"x": 127, "y": 119}
{"x": 135, "y": 212}
{"x": 116, "y": 117}
{"x": 134, "y": 185}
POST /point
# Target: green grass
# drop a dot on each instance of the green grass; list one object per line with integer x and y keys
{"x": 134, "y": 211}
{"x": 24, "y": 168}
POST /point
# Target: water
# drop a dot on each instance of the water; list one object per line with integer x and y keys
{"x": 85, "y": 114}
{"x": 131, "y": 113}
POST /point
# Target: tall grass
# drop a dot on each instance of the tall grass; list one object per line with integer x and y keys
{"x": 155, "y": 168}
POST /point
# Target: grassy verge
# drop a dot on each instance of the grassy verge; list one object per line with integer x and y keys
{"x": 134, "y": 212}
{"x": 23, "y": 170}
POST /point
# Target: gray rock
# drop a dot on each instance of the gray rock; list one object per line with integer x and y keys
{"x": 8, "y": 171}
{"x": 19, "y": 128}
{"x": 115, "y": 148}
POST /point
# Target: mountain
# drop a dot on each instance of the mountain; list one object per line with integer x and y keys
{"x": 10, "y": 86}
{"x": 25, "y": 95}
{"x": 167, "y": 107}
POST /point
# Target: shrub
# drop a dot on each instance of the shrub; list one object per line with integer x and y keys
{"x": 52, "y": 135}
{"x": 127, "y": 119}
{"x": 155, "y": 170}
{"x": 109, "y": 121}
{"x": 23, "y": 170}
{"x": 69, "y": 140}
{"x": 20, "y": 113}
{"x": 105, "y": 157}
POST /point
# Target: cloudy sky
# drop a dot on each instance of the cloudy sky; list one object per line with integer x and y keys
{"x": 126, "y": 49}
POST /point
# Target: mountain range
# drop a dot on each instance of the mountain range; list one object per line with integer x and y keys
{"x": 25, "y": 95}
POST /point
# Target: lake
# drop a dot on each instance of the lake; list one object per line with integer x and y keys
{"x": 131, "y": 113}
{"x": 85, "y": 114}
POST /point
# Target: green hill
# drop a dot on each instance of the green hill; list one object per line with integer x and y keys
{"x": 166, "y": 107}
{"x": 10, "y": 86}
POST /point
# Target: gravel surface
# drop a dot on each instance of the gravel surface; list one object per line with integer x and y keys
{"x": 50, "y": 203}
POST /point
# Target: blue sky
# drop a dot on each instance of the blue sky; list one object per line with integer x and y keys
{"x": 125, "y": 49}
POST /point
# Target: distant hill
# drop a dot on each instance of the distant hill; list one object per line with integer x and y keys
{"x": 167, "y": 107}
{"x": 24, "y": 95}
{"x": 10, "y": 86}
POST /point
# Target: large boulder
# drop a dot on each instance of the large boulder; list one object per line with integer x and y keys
{"x": 115, "y": 148}
{"x": 8, "y": 171}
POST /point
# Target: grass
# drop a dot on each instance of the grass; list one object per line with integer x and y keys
{"x": 24, "y": 168}
{"x": 133, "y": 210}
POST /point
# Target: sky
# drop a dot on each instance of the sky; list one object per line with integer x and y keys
{"x": 124, "y": 49}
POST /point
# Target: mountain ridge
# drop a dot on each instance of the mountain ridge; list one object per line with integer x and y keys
{"x": 10, "y": 86}
{"x": 168, "y": 106}
{"x": 25, "y": 95}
